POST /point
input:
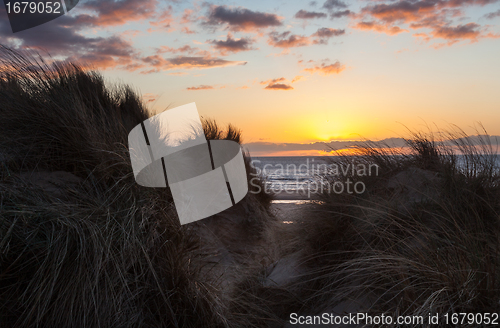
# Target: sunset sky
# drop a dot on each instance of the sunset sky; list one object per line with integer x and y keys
{"x": 293, "y": 72}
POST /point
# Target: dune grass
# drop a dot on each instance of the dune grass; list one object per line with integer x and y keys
{"x": 100, "y": 251}
{"x": 423, "y": 238}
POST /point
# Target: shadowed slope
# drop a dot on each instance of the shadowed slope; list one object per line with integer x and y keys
{"x": 81, "y": 244}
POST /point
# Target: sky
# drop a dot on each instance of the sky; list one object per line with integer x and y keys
{"x": 293, "y": 75}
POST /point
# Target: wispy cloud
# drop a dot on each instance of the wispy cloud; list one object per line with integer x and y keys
{"x": 150, "y": 97}
{"x": 201, "y": 87}
{"x": 493, "y": 15}
{"x": 337, "y": 9}
{"x": 383, "y": 28}
{"x": 277, "y": 84}
{"x": 240, "y": 19}
{"x": 61, "y": 38}
{"x": 232, "y": 45}
{"x": 113, "y": 13}
{"x": 187, "y": 30}
{"x": 202, "y": 62}
{"x": 287, "y": 40}
{"x": 325, "y": 68}
{"x": 184, "y": 49}
{"x": 334, "y": 4}
{"x": 436, "y": 15}
{"x": 188, "y": 62}
{"x": 323, "y": 34}
{"x": 188, "y": 16}
{"x": 299, "y": 149}
{"x": 262, "y": 148}
{"x": 341, "y": 13}
{"x": 303, "y": 14}
{"x": 164, "y": 20}
{"x": 98, "y": 36}
{"x": 468, "y": 31}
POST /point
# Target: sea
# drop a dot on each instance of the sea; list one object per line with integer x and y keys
{"x": 290, "y": 173}
{"x": 295, "y": 173}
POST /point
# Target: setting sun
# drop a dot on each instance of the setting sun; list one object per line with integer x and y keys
{"x": 292, "y": 74}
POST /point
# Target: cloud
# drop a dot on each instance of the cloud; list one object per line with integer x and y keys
{"x": 323, "y": 34}
{"x": 61, "y": 38}
{"x": 404, "y": 11}
{"x": 383, "y": 28}
{"x": 202, "y": 62}
{"x": 188, "y": 16}
{"x": 287, "y": 40}
{"x": 187, "y": 62}
{"x": 400, "y": 11}
{"x": 337, "y": 9}
{"x": 454, "y": 34}
{"x": 184, "y": 49}
{"x": 326, "y": 32}
{"x": 459, "y": 3}
{"x": 280, "y": 79}
{"x": 342, "y": 13}
{"x": 293, "y": 149}
{"x": 468, "y": 31}
{"x": 325, "y": 68}
{"x": 279, "y": 86}
{"x": 297, "y": 78}
{"x": 109, "y": 53}
{"x": 150, "y": 97}
{"x": 178, "y": 73}
{"x": 275, "y": 84}
{"x": 436, "y": 15}
{"x": 334, "y": 4}
{"x": 201, "y": 87}
{"x": 165, "y": 19}
{"x": 493, "y": 14}
{"x": 232, "y": 45}
{"x": 241, "y": 19}
{"x": 315, "y": 148}
{"x": 113, "y": 13}
{"x": 422, "y": 35}
{"x": 302, "y": 14}
{"x": 187, "y": 30}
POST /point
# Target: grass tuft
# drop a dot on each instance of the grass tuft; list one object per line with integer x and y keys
{"x": 81, "y": 244}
